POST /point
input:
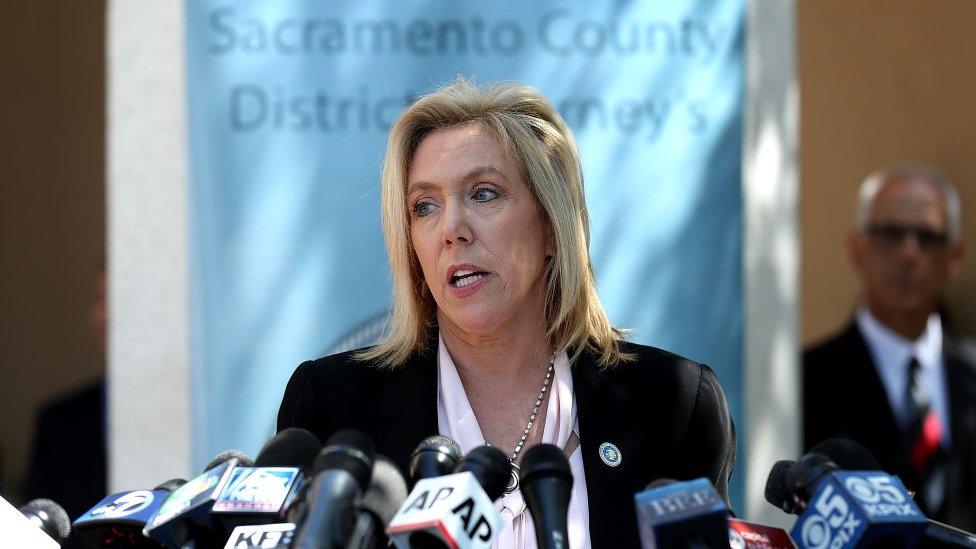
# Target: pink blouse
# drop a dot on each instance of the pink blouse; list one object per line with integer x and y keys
{"x": 455, "y": 419}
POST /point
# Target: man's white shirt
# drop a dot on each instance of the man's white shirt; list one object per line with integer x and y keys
{"x": 892, "y": 352}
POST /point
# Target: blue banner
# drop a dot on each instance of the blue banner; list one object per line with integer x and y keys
{"x": 289, "y": 106}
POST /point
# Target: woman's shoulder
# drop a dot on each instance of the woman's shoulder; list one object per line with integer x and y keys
{"x": 331, "y": 382}
{"x": 343, "y": 365}
{"x": 655, "y": 366}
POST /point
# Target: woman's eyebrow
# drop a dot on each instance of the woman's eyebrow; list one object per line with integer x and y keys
{"x": 420, "y": 186}
{"x": 480, "y": 171}
{"x": 485, "y": 170}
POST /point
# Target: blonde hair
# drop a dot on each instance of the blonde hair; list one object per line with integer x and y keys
{"x": 540, "y": 142}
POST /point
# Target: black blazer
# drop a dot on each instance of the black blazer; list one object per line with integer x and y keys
{"x": 844, "y": 397}
{"x": 667, "y": 416}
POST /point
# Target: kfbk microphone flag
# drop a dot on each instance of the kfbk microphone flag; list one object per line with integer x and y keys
{"x": 451, "y": 508}
{"x": 263, "y": 536}
{"x": 857, "y": 508}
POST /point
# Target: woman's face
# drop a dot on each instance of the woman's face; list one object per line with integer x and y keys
{"x": 477, "y": 231}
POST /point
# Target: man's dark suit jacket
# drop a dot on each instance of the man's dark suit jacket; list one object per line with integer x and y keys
{"x": 67, "y": 462}
{"x": 844, "y": 397}
{"x": 666, "y": 414}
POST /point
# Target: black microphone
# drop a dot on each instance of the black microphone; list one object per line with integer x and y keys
{"x": 386, "y": 493}
{"x": 292, "y": 447}
{"x": 49, "y": 517}
{"x": 803, "y": 477}
{"x": 436, "y": 456}
{"x": 847, "y": 454}
{"x": 490, "y": 468}
{"x": 776, "y": 492}
{"x": 850, "y": 455}
{"x": 343, "y": 471}
{"x": 847, "y": 509}
{"x": 455, "y": 510}
{"x": 546, "y": 484}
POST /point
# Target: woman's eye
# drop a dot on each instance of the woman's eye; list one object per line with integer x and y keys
{"x": 422, "y": 209}
{"x": 484, "y": 195}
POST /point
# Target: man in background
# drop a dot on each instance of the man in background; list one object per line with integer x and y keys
{"x": 896, "y": 379}
{"x": 67, "y": 462}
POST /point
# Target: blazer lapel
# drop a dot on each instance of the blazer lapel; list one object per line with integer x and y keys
{"x": 409, "y": 409}
{"x": 601, "y": 411}
{"x": 875, "y": 426}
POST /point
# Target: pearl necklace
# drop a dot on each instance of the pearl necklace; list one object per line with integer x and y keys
{"x": 513, "y": 483}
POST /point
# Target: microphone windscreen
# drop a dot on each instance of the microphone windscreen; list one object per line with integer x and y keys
{"x": 50, "y": 517}
{"x": 659, "y": 483}
{"x": 387, "y": 490}
{"x": 776, "y": 492}
{"x": 226, "y": 455}
{"x": 291, "y": 447}
{"x": 171, "y": 484}
{"x": 436, "y": 456}
{"x": 848, "y": 454}
{"x": 350, "y": 451}
{"x": 491, "y": 467}
{"x": 447, "y": 443}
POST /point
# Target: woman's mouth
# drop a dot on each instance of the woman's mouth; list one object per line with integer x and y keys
{"x": 464, "y": 277}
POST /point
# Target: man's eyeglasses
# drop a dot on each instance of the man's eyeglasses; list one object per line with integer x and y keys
{"x": 891, "y": 236}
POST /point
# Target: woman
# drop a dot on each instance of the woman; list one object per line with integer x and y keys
{"x": 494, "y": 299}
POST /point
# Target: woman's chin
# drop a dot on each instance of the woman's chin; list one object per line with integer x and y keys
{"x": 471, "y": 322}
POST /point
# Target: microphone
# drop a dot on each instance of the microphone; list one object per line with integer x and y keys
{"x": 242, "y": 459}
{"x": 455, "y": 510}
{"x": 18, "y": 530}
{"x": 802, "y": 478}
{"x": 841, "y": 509}
{"x": 850, "y": 455}
{"x": 49, "y": 517}
{"x": 436, "y": 456}
{"x": 262, "y": 492}
{"x": 386, "y": 493}
{"x": 847, "y": 454}
{"x": 775, "y": 491}
{"x": 490, "y": 468}
{"x": 344, "y": 468}
{"x": 119, "y": 519}
{"x": 547, "y": 483}
{"x": 681, "y": 514}
{"x": 184, "y": 516}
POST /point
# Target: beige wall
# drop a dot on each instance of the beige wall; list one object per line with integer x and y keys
{"x": 881, "y": 82}
{"x": 52, "y": 208}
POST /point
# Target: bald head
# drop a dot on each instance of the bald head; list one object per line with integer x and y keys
{"x": 907, "y": 246}
{"x": 871, "y": 186}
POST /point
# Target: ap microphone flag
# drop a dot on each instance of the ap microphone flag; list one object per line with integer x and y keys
{"x": 453, "y": 508}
